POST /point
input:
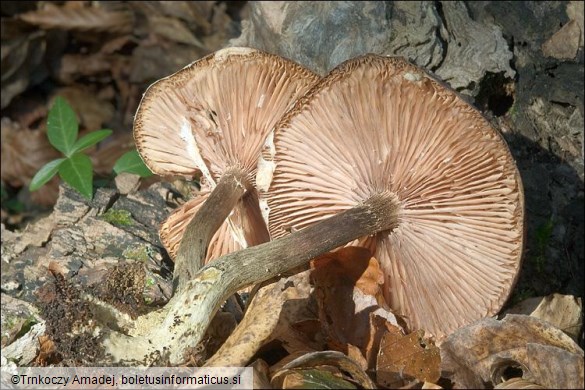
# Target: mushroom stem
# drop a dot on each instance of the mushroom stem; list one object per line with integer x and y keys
{"x": 257, "y": 264}
{"x": 182, "y": 323}
{"x": 193, "y": 248}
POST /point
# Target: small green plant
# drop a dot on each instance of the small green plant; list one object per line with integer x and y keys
{"x": 10, "y": 203}
{"x": 132, "y": 163}
{"x": 75, "y": 168}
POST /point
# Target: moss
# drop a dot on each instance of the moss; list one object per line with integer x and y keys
{"x": 28, "y": 324}
{"x": 13, "y": 320}
{"x": 118, "y": 217}
{"x": 138, "y": 253}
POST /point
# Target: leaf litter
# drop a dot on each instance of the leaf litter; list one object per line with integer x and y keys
{"x": 328, "y": 326}
{"x": 100, "y": 56}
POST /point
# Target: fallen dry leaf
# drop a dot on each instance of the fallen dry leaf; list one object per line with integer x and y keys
{"x": 74, "y": 66}
{"x": 314, "y": 379}
{"x": 30, "y": 112}
{"x": 429, "y": 385}
{"x": 222, "y": 28}
{"x": 81, "y": 19}
{"x": 562, "y": 311}
{"x": 220, "y": 329}
{"x": 173, "y": 29}
{"x": 355, "y": 354}
{"x": 23, "y": 63}
{"x": 485, "y": 354}
{"x": 118, "y": 43}
{"x": 93, "y": 112}
{"x": 271, "y": 312}
{"x": 24, "y": 152}
{"x": 518, "y": 383}
{"x": 564, "y": 44}
{"x": 404, "y": 358}
{"x": 195, "y": 13}
{"x": 261, "y": 374}
{"x": 48, "y": 353}
{"x": 336, "y": 360}
{"x": 335, "y": 275}
{"x": 348, "y": 291}
{"x": 378, "y": 327}
{"x": 48, "y": 195}
{"x": 354, "y": 265}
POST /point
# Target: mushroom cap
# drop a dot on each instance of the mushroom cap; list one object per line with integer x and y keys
{"x": 216, "y": 112}
{"x": 378, "y": 124}
{"x": 244, "y": 227}
{"x": 213, "y": 115}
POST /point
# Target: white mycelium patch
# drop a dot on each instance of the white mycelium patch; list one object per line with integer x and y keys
{"x": 193, "y": 151}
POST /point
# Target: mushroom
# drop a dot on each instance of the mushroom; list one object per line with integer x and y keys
{"x": 377, "y": 148}
{"x": 212, "y": 118}
{"x": 382, "y": 128}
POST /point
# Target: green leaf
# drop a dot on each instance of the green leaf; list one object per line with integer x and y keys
{"x": 45, "y": 174}
{"x": 78, "y": 173}
{"x": 316, "y": 379}
{"x": 89, "y": 140}
{"x": 62, "y": 126}
{"x": 132, "y": 163}
{"x": 13, "y": 205}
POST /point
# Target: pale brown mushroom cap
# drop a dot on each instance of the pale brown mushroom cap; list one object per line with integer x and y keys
{"x": 382, "y": 124}
{"x": 216, "y": 112}
{"x": 213, "y": 115}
